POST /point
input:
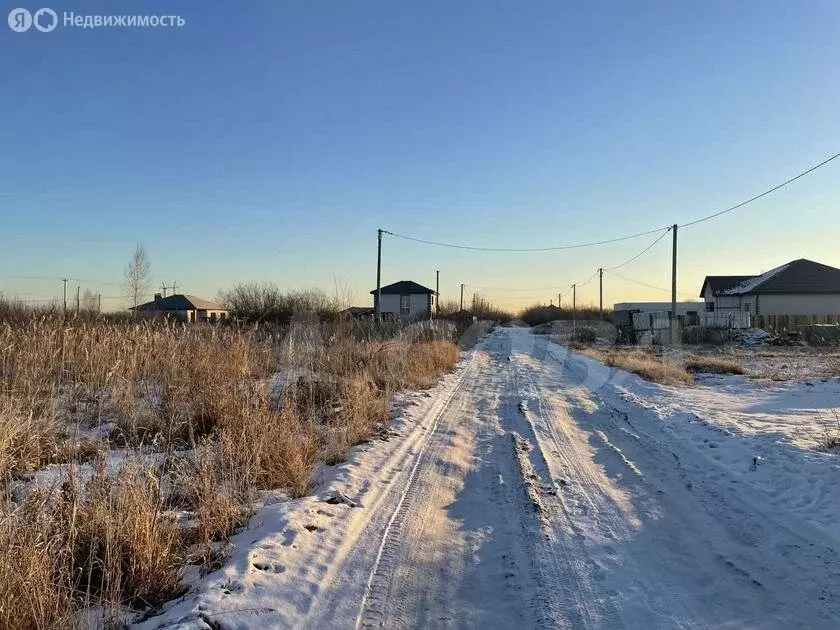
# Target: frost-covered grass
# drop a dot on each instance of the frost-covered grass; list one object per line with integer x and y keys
{"x": 161, "y": 437}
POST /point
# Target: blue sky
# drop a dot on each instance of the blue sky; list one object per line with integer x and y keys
{"x": 269, "y": 140}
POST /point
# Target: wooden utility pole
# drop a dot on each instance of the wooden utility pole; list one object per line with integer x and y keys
{"x": 78, "y": 299}
{"x": 574, "y": 305}
{"x": 378, "y": 305}
{"x": 99, "y": 303}
{"x": 437, "y": 292}
{"x": 601, "y": 292}
{"x": 462, "y": 296}
{"x": 64, "y": 280}
{"x": 559, "y": 303}
{"x": 674, "y": 320}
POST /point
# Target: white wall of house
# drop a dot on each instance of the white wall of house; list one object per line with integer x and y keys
{"x": 418, "y": 304}
{"x": 828, "y": 304}
{"x": 722, "y": 302}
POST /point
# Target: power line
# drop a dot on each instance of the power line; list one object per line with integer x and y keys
{"x": 764, "y": 194}
{"x": 620, "y": 238}
{"x": 521, "y": 249}
{"x": 472, "y": 286}
{"x": 591, "y": 278}
{"x": 645, "y": 284}
{"x": 643, "y": 252}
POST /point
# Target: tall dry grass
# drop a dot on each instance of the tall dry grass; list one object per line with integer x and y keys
{"x": 648, "y": 366}
{"x": 212, "y": 414}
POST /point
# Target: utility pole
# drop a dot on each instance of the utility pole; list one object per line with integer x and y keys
{"x": 99, "y": 303}
{"x": 437, "y": 292}
{"x": 601, "y": 292}
{"x": 674, "y": 320}
{"x": 163, "y": 288}
{"x": 559, "y": 303}
{"x": 78, "y": 300}
{"x": 574, "y": 305}
{"x": 174, "y": 288}
{"x": 378, "y": 305}
{"x": 462, "y": 296}
{"x": 64, "y": 280}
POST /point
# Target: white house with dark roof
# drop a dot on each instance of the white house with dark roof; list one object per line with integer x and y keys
{"x": 800, "y": 287}
{"x": 406, "y": 299}
{"x": 185, "y": 308}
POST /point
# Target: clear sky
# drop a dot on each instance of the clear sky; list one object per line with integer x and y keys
{"x": 268, "y": 140}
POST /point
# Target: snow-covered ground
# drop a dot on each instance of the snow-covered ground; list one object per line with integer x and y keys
{"x": 538, "y": 488}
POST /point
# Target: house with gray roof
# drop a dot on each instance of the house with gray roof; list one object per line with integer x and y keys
{"x": 406, "y": 299}
{"x": 800, "y": 287}
{"x": 184, "y": 308}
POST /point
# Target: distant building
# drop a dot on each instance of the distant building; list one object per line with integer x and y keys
{"x": 406, "y": 300}
{"x": 801, "y": 287}
{"x": 185, "y": 308}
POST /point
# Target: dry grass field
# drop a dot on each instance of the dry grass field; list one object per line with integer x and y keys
{"x": 131, "y": 450}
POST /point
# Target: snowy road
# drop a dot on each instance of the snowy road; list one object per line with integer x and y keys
{"x": 534, "y": 492}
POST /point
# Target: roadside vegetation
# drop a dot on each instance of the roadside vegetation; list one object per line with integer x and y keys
{"x": 713, "y": 364}
{"x": 647, "y": 365}
{"x": 129, "y": 450}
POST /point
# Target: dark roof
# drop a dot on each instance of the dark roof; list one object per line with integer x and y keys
{"x": 403, "y": 287}
{"x": 720, "y": 284}
{"x": 798, "y": 276}
{"x": 179, "y": 302}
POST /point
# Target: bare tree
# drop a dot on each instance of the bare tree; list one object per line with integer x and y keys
{"x": 89, "y": 302}
{"x": 138, "y": 276}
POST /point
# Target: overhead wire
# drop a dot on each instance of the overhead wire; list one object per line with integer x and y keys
{"x": 645, "y": 284}
{"x": 764, "y": 194}
{"x": 620, "y": 238}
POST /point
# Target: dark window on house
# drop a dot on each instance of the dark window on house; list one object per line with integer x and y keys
{"x": 747, "y": 307}
{"x": 710, "y": 307}
{"x": 405, "y": 305}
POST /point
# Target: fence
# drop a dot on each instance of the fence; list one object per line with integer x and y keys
{"x": 724, "y": 319}
{"x": 792, "y": 323}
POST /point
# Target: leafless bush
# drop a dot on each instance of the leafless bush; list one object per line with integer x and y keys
{"x": 264, "y": 302}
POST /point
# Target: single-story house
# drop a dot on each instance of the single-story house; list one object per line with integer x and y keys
{"x": 406, "y": 299}
{"x": 184, "y": 308}
{"x": 800, "y": 287}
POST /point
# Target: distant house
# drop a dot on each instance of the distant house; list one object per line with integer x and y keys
{"x": 406, "y": 299}
{"x": 185, "y": 308}
{"x": 801, "y": 287}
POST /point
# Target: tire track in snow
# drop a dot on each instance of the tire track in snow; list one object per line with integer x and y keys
{"x": 370, "y": 610}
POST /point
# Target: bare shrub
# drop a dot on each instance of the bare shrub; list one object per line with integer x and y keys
{"x": 828, "y": 438}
